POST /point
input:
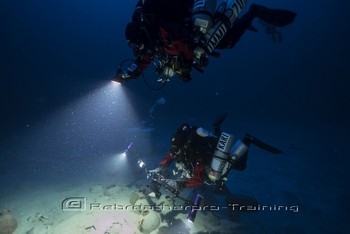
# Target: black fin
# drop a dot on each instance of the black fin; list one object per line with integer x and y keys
{"x": 277, "y": 17}
{"x": 250, "y": 139}
{"x": 217, "y": 123}
{"x": 252, "y": 28}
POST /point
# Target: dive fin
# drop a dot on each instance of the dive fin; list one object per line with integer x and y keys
{"x": 250, "y": 139}
{"x": 217, "y": 123}
{"x": 220, "y": 119}
{"x": 277, "y": 17}
{"x": 252, "y": 28}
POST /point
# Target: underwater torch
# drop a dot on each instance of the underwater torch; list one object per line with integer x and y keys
{"x": 196, "y": 203}
{"x": 127, "y": 149}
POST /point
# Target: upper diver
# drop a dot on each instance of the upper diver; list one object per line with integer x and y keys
{"x": 179, "y": 35}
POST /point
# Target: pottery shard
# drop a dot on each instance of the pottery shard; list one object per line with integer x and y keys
{"x": 149, "y": 223}
{"x": 112, "y": 191}
{"x": 133, "y": 198}
{"x": 8, "y": 223}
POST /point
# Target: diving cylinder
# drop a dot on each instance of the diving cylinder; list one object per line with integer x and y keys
{"x": 218, "y": 31}
{"x": 219, "y": 163}
{"x": 203, "y": 13}
{"x": 238, "y": 150}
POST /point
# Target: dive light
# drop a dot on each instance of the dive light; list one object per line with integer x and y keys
{"x": 195, "y": 207}
{"x": 127, "y": 149}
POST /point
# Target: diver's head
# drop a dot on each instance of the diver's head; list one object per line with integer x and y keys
{"x": 179, "y": 139}
{"x": 213, "y": 176}
{"x": 137, "y": 36}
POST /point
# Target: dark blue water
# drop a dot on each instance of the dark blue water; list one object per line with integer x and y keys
{"x": 61, "y": 120}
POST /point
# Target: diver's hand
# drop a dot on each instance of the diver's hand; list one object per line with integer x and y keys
{"x": 156, "y": 170}
{"x": 132, "y": 72}
{"x": 159, "y": 169}
{"x": 121, "y": 77}
{"x": 127, "y": 75}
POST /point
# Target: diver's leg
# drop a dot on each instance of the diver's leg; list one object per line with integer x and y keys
{"x": 207, "y": 43}
{"x": 236, "y": 31}
{"x": 270, "y": 16}
{"x": 275, "y": 17}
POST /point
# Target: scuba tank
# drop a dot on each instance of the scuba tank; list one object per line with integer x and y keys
{"x": 203, "y": 13}
{"x": 220, "y": 160}
{"x": 228, "y": 151}
{"x": 238, "y": 150}
{"x": 227, "y": 16}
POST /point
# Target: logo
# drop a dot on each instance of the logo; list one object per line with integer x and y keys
{"x": 74, "y": 204}
{"x": 223, "y": 141}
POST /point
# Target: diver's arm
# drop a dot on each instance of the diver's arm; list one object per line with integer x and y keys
{"x": 169, "y": 158}
{"x": 196, "y": 179}
{"x": 143, "y": 62}
{"x": 136, "y": 68}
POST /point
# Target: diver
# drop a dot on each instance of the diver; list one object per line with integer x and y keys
{"x": 180, "y": 35}
{"x": 202, "y": 157}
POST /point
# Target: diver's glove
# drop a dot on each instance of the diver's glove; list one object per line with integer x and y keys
{"x": 159, "y": 169}
{"x": 131, "y": 72}
{"x": 156, "y": 170}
